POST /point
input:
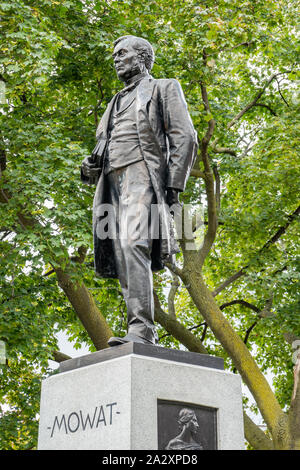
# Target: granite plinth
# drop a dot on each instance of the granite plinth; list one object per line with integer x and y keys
{"x": 141, "y": 349}
{"x": 131, "y": 402}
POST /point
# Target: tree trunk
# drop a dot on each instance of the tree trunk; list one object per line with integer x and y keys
{"x": 233, "y": 345}
{"x": 294, "y": 411}
{"x": 86, "y": 309}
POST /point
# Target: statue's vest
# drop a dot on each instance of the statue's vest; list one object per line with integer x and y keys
{"x": 123, "y": 146}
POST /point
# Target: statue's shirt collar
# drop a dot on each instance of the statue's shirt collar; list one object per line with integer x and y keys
{"x": 134, "y": 82}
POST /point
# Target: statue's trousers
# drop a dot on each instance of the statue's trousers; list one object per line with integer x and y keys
{"x": 132, "y": 197}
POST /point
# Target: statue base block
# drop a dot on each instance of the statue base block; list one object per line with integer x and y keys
{"x": 141, "y": 397}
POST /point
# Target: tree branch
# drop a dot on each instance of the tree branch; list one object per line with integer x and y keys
{"x": 197, "y": 326}
{"x": 211, "y": 123}
{"x": 204, "y": 331}
{"x": 174, "y": 269}
{"x": 191, "y": 328}
{"x": 212, "y": 226}
{"x": 255, "y": 436}
{"x": 217, "y": 149}
{"x": 208, "y": 178}
{"x": 282, "y": 229}
{"x": 255, "y": 99}
{"x": 229, "y": 281}
{"x": 279, "y": 90}
{"x": 270, "y": 242}
{"x": 82, "y": 251}
{"x": 197, "y": 173}
{"x": 174, "y": 287}
{"x": 85, "y": 307}
{"x": 190, "y": 341}
{"x": 60, "y": 357}
{"x": 267, "y": 107}
{"x": 249, "y": 331}
{"x": 2, "y": 161}
{"x": 262, "y": 313}
{"x": 241, "y": 302}
{"x": 217, "y": 188}
{"x": 99, "y": 85}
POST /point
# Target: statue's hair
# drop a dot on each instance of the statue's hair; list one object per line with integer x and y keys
{"x": 144, "y": 48}
{"x": 185, "y": 415}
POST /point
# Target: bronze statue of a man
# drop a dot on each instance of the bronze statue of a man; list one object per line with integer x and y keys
{"x": 146, "y": 145}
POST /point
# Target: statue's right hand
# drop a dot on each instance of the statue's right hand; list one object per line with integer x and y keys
{"x": 89, "y": 169}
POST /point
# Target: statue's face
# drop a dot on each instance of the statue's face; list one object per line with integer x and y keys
{"x": 193, "y": 425}
{"x": 126, "y": 60}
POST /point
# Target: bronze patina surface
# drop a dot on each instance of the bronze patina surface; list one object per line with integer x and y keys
{"x": 146, "y": 146}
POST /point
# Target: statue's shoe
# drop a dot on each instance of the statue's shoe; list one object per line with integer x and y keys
{"x": 129, "y": 338}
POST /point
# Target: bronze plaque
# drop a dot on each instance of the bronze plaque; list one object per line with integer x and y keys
{"x": 185, "y": 426}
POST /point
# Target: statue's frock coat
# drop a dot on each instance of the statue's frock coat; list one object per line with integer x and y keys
{"x": 169, "y": 145}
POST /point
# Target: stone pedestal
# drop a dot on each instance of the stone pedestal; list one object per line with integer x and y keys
{"x": 133, "y": 396}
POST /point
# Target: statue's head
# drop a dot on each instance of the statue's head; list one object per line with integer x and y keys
{"x": 132, "y": 55}
{"x": 187, "y": 419}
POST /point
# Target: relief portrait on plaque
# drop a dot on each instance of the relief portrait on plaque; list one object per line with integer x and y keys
{"x": 186, "y": 439}
{"x": 186, "y": 427}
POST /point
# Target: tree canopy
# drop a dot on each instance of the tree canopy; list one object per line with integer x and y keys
{"x": 233, "y": 295}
